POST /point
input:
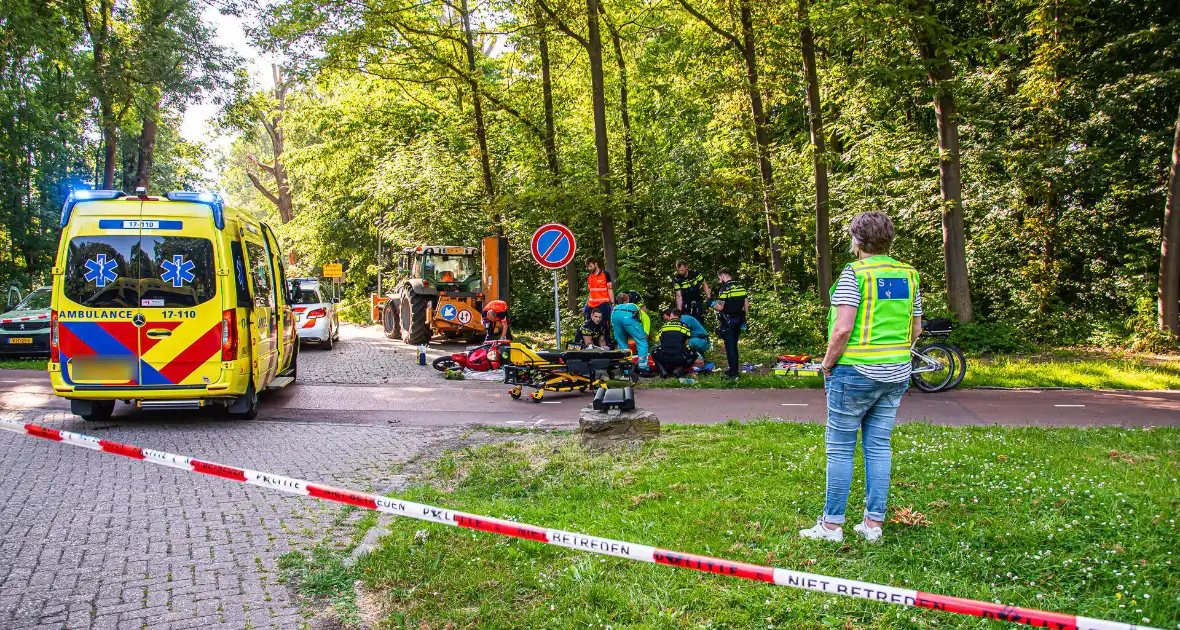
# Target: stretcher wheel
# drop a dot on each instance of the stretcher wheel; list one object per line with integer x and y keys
{"x": 537, "y": 395}
{"x": 514, "y": 393}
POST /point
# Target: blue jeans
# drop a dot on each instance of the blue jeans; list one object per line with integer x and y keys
{"x": 859, "y": 403}
{"x": 627, "y": 327}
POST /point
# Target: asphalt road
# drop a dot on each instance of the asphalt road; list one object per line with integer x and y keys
{"x": 368, "y": 380}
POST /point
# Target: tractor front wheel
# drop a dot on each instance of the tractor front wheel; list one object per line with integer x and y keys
{"x": 390, "y": 322}
{"x": 418, "y": 331}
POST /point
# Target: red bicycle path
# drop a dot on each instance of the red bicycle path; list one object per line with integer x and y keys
{"x": 467, "y": 403}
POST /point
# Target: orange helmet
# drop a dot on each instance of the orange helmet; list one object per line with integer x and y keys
{"x": 497, "y": 307}
{"x": 447, "y": 276}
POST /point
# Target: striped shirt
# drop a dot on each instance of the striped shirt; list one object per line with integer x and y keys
{"x": 848, "y": 294}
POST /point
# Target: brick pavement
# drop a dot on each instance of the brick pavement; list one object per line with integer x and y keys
{"x": 88, "y": 540}
{"x": 363, "y": 356}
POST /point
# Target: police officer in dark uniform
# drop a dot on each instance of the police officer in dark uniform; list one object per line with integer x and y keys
{"x": 673, "y": 357}
{"x": 691, "y": 290}
{"x": 732, "y": 306}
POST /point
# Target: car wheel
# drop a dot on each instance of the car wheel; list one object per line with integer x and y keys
{"x": 327, "y": 342}
{"x": 246, "y": 406}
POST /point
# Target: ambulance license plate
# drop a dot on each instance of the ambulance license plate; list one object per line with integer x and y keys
{"x": 20, "y": 340}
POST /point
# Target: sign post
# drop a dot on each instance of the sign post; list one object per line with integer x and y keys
{"x": 553, "y": 247}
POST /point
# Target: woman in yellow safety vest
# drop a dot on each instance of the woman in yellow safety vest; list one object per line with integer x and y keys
{"x": 875, "y": 316}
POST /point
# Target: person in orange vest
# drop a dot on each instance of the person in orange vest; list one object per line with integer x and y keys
{"x": 495, "y": 321}
{"x": 602, "y": 292}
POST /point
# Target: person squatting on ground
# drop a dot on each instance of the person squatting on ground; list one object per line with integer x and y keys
{"x": 627, "y": 326}
{"x": 602, "y": 292}
{"x": 698, "y": 338}
{"x": 732, "y": 306}
{"x": 592, "y": 332}
{"x": 876, "y": 314}
{"x": 691, "y": 290}
{"x": 495, "y": 321}
{"x": 672, "y": 355}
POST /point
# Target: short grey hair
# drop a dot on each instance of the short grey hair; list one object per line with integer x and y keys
{"x": 872, "y": 232}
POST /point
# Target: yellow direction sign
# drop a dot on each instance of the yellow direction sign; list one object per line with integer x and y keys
{"x": 335, "y": 270}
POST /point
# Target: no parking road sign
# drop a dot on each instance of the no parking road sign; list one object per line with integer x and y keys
{"x": 553, "y": 246}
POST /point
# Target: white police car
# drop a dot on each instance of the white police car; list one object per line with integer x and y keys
{"x": 316, "y": 318}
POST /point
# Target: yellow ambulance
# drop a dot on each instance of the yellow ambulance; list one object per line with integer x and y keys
{"x": 167, "y": 303}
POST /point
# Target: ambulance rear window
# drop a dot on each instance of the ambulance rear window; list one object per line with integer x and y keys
{"x": 177, "y": 271}
{"x": 103, "y": 271}
{"x": 119, "y": 271}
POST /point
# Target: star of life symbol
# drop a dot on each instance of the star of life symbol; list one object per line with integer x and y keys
{"x": 178, "y": 271}
{"x": 101, "y": 271}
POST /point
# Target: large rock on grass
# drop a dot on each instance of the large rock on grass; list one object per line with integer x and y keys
{"x": 607, "y": 429}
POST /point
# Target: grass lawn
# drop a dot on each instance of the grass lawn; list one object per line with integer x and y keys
{"x": 22, "y": 364}
{"x": 1077, "y": 521}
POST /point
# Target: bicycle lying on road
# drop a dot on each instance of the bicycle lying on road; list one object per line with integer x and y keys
{"x": 938, "y": 366}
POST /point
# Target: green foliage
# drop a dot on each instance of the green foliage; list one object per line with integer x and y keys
{"x": 791, "y": 322}
{"x": 990, "y": 338}
{"x": 1065, "y": 111}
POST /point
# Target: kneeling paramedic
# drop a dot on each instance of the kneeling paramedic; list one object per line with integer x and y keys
{"x": 625, "y": 319}
{"x": 495, "y": 321}
{"x": 672, "y": 356}
{"x": 732, "y": 306}
{"x": 592, "y": 332}
{"x": 698, "y": 338}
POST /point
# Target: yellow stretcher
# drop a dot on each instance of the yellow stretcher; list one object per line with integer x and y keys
{"x": 556, "y": 371}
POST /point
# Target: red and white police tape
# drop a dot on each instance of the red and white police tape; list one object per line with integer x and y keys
{"x": 582, "y": 542}
{"x": 30, "y": 318}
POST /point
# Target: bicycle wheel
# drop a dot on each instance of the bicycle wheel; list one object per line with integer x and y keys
{"x": 960, "y": 368}
{"x": 934, "y": 368}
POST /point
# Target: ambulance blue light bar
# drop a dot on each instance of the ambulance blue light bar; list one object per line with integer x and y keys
{"x": 76, "y": 196}
{"x": 213, "y": 200}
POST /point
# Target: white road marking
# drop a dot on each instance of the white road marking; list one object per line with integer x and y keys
{"x": 1069, "y": 405}
{"x": 550, "y": 402}
{"x": 794, "y": 404}
{"x": 514, "y": 422}
{"x": 538, "y": 422}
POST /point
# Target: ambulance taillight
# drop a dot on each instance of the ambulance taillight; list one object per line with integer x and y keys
{"x": 54, "y": 357}
{"x": 229, "y": 335}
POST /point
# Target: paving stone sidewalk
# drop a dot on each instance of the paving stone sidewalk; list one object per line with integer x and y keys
{"x": 363, "y": 356}
{"x": 91, "y": 540}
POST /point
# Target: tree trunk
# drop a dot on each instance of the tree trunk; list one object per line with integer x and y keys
{"x": 481, "y": 134}
{"x": 625, "y": 113}
{"x": 1169, "y": 289}
{"x": 823, "y": 253}
{"x": 547, "y": 98}
{"x": 761, "y": 138}
{"x": 572, "y": 287}
{"x": 147, "y": 142}
{"x": 594, "y": 48}
{"x": 954, "y": 241}
{"x": 109, "y": 143}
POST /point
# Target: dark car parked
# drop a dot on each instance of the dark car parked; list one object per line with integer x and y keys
{"x": 24, "y": 331}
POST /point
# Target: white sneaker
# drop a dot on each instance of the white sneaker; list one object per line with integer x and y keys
{"x": 870, "y": 534}
{"x": 822, "y": 532}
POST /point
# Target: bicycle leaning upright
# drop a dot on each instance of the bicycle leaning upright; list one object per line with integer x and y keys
{"x": 937, "y": 366}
